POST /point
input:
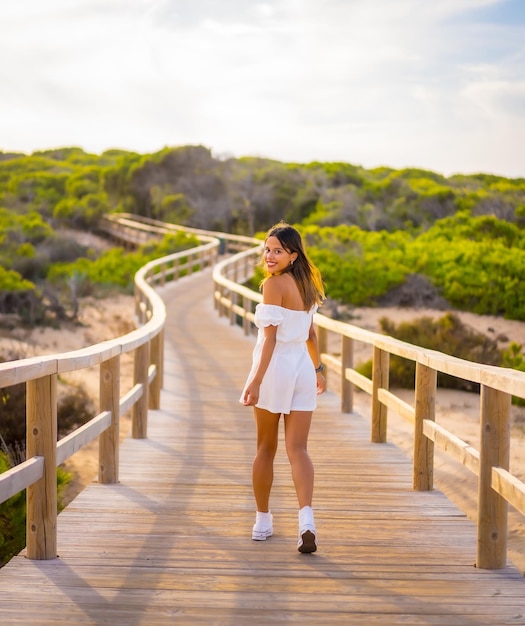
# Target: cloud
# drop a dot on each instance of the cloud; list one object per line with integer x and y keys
{"x": 498, "y": 99}
{"x": 390, "y": 82}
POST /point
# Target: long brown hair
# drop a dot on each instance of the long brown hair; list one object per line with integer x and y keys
{"x": 305, "y": 273}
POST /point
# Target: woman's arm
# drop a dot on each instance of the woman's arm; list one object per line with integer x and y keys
{"x": 313, "y": 350}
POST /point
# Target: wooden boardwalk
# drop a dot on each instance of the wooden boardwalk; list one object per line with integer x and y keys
{"x": 170, "y": 544}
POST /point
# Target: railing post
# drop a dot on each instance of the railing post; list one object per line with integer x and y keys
{"x": 137, "y": 300}
{"x": 214, "y": 289}
{"x": 494, "y": 452}
{"x": 139, "y": 421}
{"x": 233, "y": 303}
{"x": 108, "y": 450}
{"x": 381, "y": 363}
{"x": 425, "y": 409}
{"x": 220, "y": 306}
{"x": 347, "y": 361}
{"x": 157, "y": 359}
{"x": 41, "y": 440}
{"x": 322, "y": 341}
{"x": 246, "y": 324}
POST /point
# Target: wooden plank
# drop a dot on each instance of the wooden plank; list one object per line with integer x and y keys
{"x": 396, "y": 404}
{"x": 359, "y": 380}
{"x": 27, "y": 369}
{"x": 457, "y": 448}
{"x": 19, "y": 477}
{"x": 73, "y": 442}
{"x": 509, "y": 486}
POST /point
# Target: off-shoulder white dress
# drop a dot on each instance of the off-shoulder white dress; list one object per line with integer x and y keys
{"x": 289, "y": 382}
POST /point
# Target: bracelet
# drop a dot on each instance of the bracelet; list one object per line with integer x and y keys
{"x": 319, "y": 369}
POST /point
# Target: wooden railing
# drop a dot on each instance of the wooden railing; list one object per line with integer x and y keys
{"x": 137, "y": 230}
{"x": 37, "y": 473}
{"x": 497, "y": 486}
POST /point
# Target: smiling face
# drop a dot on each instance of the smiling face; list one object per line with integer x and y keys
{"x": 276, "y": 258}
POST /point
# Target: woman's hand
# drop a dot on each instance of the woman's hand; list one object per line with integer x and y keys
{"x": 251, "y": 395}
{"x": 321, "y": 383}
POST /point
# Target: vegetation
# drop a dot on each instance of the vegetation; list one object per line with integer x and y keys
{"x": 475, "y": 263}
{"x": 115, "y": 267}
{"x": 369, "y": 230}
{"x": 43, "y": 269}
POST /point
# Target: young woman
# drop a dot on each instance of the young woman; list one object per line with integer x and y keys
{"x": 286, "y": 375}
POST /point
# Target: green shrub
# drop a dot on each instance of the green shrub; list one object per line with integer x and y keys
{"x": 12, "y": 281}
{"x": 478, "y": 263}
{"x": 116, "y": 267}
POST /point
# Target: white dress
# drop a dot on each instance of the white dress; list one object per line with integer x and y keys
{"x": 289, "y": 383}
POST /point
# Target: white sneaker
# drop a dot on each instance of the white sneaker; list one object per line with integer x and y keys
{"x": 307, "y": 539}
{"x": 263, "y": 527}
{"x": 307, "y": 542}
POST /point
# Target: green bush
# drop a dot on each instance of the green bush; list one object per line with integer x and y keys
{"x": 116, "y": 267}
{"x": 475, "y": 263}
{"x": 478, "y": 263}
{"x": 12, "y": 281}
{"x": 357, "y": 266}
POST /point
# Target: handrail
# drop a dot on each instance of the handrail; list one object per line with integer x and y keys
{"x": 137, "y": 229}
{"x": 38, "y": 473}
{"x": 497, "y": 486}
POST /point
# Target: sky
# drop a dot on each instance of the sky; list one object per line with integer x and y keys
{"x": 434, "y": 84}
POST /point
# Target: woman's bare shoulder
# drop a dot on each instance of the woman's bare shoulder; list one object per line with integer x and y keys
{"x": 273, "y": 290}
{"x": 283, "y": 291}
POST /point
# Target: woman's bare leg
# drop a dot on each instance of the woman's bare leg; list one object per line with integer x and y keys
{"x": 297, "y": 428}
{"x": 262, "y": 469}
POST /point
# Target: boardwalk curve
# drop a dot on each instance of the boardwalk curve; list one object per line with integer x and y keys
{"x": 171, "y": 543}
